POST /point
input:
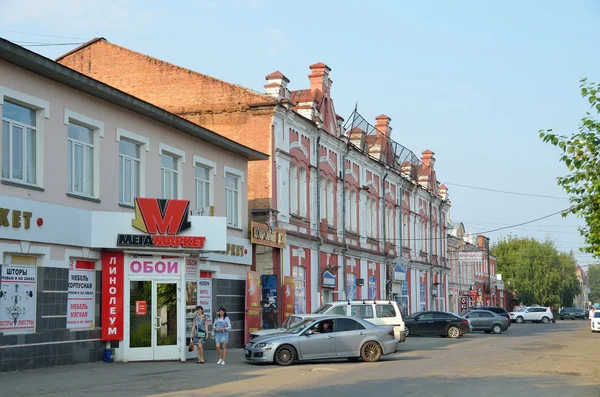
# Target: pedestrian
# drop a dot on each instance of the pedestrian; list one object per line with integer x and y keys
{"x": 221, "y": 328}
{"x": 553, "y": 310}
{"x": 199, "y": 332}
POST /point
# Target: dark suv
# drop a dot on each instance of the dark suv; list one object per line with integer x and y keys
{"x": 496, "y": 309}
{"x": 572, "y": 313}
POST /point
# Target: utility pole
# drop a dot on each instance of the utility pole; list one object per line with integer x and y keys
{"x": 487, "y": 243}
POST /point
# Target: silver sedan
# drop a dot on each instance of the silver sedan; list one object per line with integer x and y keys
{"x": 324, "y": 337}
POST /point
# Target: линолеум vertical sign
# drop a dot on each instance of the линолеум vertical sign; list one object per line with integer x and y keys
{"x": 112, "y": 295}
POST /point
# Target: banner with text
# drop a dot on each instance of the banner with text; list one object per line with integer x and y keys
{"x": 17, "y": 306}
{"x": 205, "y": 297}
{"x": 253, "y": 294}
{"x": 472, "y": 256}
{"x": 81, "y": 297}
{"x": 289, "y": 297}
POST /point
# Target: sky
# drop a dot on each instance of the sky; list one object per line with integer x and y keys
{"x": 473, "y": 81}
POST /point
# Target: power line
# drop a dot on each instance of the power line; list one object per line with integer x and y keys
{"x": 48, "y": 44}
{"x": 41, "y": 35}
{"x": 507, "y": 191}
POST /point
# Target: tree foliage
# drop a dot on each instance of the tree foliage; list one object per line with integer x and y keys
{"x": 581, "y": 155}
{"x": 593, "y": 282}
{"x": 537, "y": 271}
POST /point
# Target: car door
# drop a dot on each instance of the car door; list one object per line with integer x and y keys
{"x": 441, "y": 322}
{"x": 529, "y": 314}
{"x": 424, "y": 324}
{"x": 318, "y": 345}
{"x": 486, "y": 320}
{"x": 474, "y": 317}
{"x": 349, "y": 335}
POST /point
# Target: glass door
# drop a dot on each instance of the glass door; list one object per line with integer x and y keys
{"x": 153, "y": 320}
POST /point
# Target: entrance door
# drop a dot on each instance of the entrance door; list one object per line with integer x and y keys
{"x": 153, "y": 320}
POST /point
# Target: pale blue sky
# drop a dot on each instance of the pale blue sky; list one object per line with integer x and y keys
{"x": 473, "y": 81}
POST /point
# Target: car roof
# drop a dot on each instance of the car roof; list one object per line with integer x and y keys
{"x": 364, "y": 302}
{"x": 481, "y": 310}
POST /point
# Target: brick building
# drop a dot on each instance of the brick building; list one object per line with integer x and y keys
{"x": 357, "y": 215}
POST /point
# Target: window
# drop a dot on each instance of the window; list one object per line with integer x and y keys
{"x": 362, "y": 311}
{"x": 354, "y": 211}
{"x": 347, "y": 324}
{"x": 303, "y": 197}
{"x": 232, "y": 200}
{"x": 293, "y": 189}
{"x": 129, "y": 171}
{"x": 473, "y": 315}
{"x": 19, "y": 143}
{"x": 202, "y": 177}
{"x": 422, "y": 297}
{"x": 404, "y": 299}
{"x": 484, "y": 314}
{"x": 426, "y": 316}
{"x": 323, "y": 203}
{"x": 299, "y": 274}
{"x": 385, "y": 311}
{"x": 441, "y": 297}
{"x": 170, "y": 176}
{"x": 330, "y": 199}
{"x": 351, "y": 286}
{"x": 80, "y": 160}
{"x": 339, "y": 310}
{"x": 372, "y": 287}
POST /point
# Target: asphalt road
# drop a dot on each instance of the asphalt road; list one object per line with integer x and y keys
{"x": 561, "y": 359}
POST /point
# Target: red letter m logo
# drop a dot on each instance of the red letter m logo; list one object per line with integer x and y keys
{"x": 159, "y": 216}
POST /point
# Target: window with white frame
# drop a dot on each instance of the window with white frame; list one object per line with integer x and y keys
{"x": 80, "y": 160}
{"x": 330, "y": 199}
{"x": 299, "y": 274}
{"x": 19, "y": 143}
{"x": 131, "y": 165}
{"x": 390, "y": 224}
{"x": 353, "y": 211}
{"x": 372, "y": 287}
{"x": 232, "y": 199}
{"x": 203, "y": 189}
{"x": 170, "y": 176}
{"x": 351, "y": 286}
{"x": 369, "y": 216}
{"x": 405, "y": 233}
{"x": 302, "y": 192}
{"x": 348, "y": 216}
{"x": 323, "y": 198}
{"x": 293, "y": 189}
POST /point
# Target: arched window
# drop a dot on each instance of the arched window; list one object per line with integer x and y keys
{"x": 299, "y": 274}
{"x": 351, "y": 286}
{"x": 372, "y": 287}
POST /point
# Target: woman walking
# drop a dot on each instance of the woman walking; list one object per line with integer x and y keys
{"x": 199, "y": 332}
{"x": 221, "y": 328}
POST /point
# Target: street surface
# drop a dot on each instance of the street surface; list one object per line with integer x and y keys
{"x": 561, "y": 359}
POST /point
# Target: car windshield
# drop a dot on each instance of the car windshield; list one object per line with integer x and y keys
{"x": 322, "y": 309}
{"x": 414, "y": 315}
{"x": 299, "y": 326}
{"x": 522, "y": 309}
{"x": 290, "y": 321}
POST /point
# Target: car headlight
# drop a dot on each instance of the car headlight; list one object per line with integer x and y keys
{"x": 264, "y": 344}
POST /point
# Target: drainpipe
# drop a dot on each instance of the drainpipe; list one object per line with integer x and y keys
{"x": 384, "y": 222}
{"x": 430, "y": 255}
{"x": 345, "y": 249}
{"x": 319, "y": 238}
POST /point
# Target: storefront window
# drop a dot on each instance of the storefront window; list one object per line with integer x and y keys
{"x": 299, "y": 274}
{"x": 372, "y": 287}
{"x": 441, "y": 297}
{"x": 404, "y": 299}
{"x": 422, "y": 297}
{"x": 351, "y": 286}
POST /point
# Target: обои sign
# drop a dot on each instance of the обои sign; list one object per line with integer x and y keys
{"x": 162, "y": 221}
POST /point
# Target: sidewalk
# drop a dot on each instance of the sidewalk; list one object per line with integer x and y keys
{"x": 127, "y": 379}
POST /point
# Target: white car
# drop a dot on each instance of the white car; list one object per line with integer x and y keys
{"x": 379, "y": 312}
{"x": 534, "y": 314}
{"x": 595, "y": 322}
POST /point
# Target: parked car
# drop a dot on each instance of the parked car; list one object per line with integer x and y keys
{"x": 595, "y": 322}
{"x": 435, "y": 322}
{"x": 534, "y": 314}
{"x": 324, "y": 337}
{"x": 291, "y": 320}
{"x": 486, "y": 321}
{"x": 377, "y": 312}
{"x": 496, "y": 309}
{"x": 572, "y": 313}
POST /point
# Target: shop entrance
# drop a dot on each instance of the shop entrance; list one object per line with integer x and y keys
{"x": 153, "y": 320}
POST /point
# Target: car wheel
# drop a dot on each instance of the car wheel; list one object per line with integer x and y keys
{"x": 285, "y": 355}
{"x": 545, "y": 320}
{"x": 453, "y": 332}
{"x": 496, "y": 329}
{"x": 370, "y": 352}
{"x": 519, "y": 320}
{"x": 406, "y": 331}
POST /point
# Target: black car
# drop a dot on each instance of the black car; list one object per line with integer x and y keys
{"x": 436, "y": 323}
{"x": 496, "y": 309}
{"x": 572, "y": 313}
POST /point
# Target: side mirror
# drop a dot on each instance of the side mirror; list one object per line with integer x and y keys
{"x": 416, "y": 318}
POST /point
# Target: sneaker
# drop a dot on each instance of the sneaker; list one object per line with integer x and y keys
{"x": 219, "y": 362}
{"x": 222, "y": 362}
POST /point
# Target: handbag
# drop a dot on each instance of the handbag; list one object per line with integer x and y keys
{"x": 191, "y": 347}
{"x": 201, "y": 334}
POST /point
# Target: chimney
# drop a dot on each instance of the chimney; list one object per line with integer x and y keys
{"x": 319, "y": 78}
{"x": 427, "y": 158}
{"x": 276, "y": 86}
{"x": 383, "y": 124}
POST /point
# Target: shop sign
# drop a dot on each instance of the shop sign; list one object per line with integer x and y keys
{"x": 151, "y": 265}
{"x": 140, "y": 308}
{"x": 289, "y": 296}
{"x": 81, "y": 296}
{"x": 463, "y": 303}
{"x": 253, "y": 298}
{"x": 162, "y": 221}
{"x": 16, "y": 218}
{"x": 268, "y": 235}
{"x": 470, "y": 256}
{"x": 112, "y": 295}
{"x": 18, "y": 289}
{"x": 399, "y": 273}
{"x": 205, "y": 296}
{"x": 239, "y": 251}
{"x": 329, "y": 279}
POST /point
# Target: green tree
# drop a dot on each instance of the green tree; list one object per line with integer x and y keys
{"x": 581, "y": 155}
{"x": 593, "y": 282}
{"x": 536, "y": 270}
